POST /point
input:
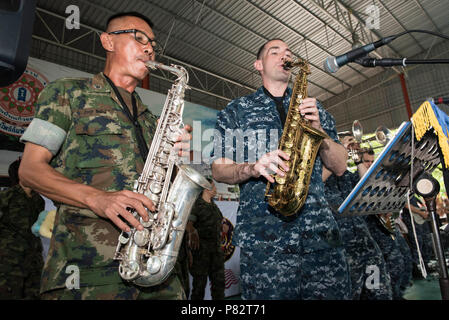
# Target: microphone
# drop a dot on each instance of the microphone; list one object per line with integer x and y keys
{"x": 332, "y": 64}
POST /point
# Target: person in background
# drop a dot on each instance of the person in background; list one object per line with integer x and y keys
{"x": 205, "y": 237}
{"x": 418, "y": 212}
{"x": 386, "y": 238}
{"x": 364, "y": 255}
{"x": 21, "y": 260}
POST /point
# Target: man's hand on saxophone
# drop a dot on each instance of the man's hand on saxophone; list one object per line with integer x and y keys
{"x": 227, "y": 171}
{"x": 309, "y": 110}
{"x": 271, "y": 163}
{"x": 113, "y": 206}
{"x": 183, "y": 144}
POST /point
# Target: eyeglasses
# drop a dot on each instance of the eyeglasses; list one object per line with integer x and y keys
{"x": 141, "y": 37}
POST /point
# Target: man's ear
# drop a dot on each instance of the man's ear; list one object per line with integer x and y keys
{"x": 258, "y": 65}
{"x": 107, "y": 42}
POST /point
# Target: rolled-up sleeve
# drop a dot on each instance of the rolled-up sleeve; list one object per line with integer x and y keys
{"x": 52, "y": 118}
{"x": 224, "y": 128}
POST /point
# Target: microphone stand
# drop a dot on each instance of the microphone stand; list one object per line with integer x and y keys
{"x": 390, "y": 62}
{"x": 428, "y": 188}
{"x": 444, "y": 279}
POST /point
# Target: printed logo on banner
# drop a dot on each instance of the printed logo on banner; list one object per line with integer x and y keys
{"x": 18, "y": 102}
{"x": 226, "y": 242}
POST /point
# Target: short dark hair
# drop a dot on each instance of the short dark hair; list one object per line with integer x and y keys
{"x": 370, "y": 152}
{"x": 13, "y": 172}
{"x": 259, "y": 52}
{"x": 130, "y": 14}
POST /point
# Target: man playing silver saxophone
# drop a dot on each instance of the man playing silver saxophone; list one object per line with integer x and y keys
{"x": 84, "y": 149}
{"x": 296, "y": 257}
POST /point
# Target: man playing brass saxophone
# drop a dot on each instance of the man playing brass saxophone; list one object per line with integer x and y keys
{"x": 295, "y": 257}
{"x": 84, "y": 149}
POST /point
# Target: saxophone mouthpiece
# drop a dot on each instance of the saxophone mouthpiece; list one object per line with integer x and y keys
{"x": 288, "y": 64}
{"x": 152, "y": 64}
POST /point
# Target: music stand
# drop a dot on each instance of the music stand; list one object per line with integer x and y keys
{"x": 384, "y": 186}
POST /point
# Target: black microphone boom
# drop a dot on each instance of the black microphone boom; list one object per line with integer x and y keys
{"x": 403, "y": 62}
{"x": 441, "y": 100}
{"x": 332, "y": 64}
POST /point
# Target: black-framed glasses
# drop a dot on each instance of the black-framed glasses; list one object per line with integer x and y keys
{"x": 140, "y": 37}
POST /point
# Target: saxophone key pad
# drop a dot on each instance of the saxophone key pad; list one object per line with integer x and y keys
{"x": 153, "y": 264}
{"x": 155, "y": 187}
{"x": 141, "y": 238}
{"x": 129, "y": 271}
{"x": 123, "y": 238}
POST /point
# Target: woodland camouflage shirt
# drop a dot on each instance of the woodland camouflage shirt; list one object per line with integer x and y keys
{"x": 93, "y": 142}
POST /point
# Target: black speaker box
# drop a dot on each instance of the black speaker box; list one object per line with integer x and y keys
{"x": 16, "y": 28}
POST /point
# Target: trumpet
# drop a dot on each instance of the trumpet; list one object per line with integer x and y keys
{"x": 382, "y": 135}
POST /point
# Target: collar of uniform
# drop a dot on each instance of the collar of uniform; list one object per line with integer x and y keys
{"x": 202, "y": 201}
{"x": 100, "y": 84}
{"x": 261, "y": 92}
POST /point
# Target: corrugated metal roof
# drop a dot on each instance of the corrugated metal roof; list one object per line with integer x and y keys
{"x": 222, "y": 37}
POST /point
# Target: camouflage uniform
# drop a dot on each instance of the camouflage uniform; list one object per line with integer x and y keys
{"x": 407, "y": 271}
{"x": 296, "y": 257}
{"x": 362, "y": 251}
{"x": 392, "y": 254}
{"x": 423, "y": 233}
{"x": 182, "y": 265}
{"x": 93, "y": 142}
{"x": 208, "y": 260}
{"x": 20, "y": 251}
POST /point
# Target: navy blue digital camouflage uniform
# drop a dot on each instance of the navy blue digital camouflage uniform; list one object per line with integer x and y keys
{"x": 299, "y": 257}
{"x": 423, "y": 233}
{"x": 407, "y": 271}
{"x": 370, "y": 279}
{"x": 392, "y": 254}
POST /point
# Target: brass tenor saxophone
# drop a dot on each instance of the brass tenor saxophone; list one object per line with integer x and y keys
{"x": 148, "y": 257}
{"x": 301, "y": 142}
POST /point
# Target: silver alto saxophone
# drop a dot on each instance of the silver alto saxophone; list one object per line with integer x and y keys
{"x": 148, "y": 257}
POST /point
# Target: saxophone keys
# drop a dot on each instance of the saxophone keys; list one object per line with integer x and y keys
{"x": 155, "y": 187}
{"x": 129, "y": 270}
{"x": 280, "y": 180}
{"x": 149, "y": 223}
{"x": 124, "y": 238}
{"x": 141, "y": 238}
{"x": 153, "y": 264}
{"x": 288, "y": 152}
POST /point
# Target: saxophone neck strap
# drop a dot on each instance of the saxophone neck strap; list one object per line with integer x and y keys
{"x": 143, "y": 148}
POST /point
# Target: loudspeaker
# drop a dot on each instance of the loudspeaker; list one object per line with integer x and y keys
{"x": 16, "y": 28}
